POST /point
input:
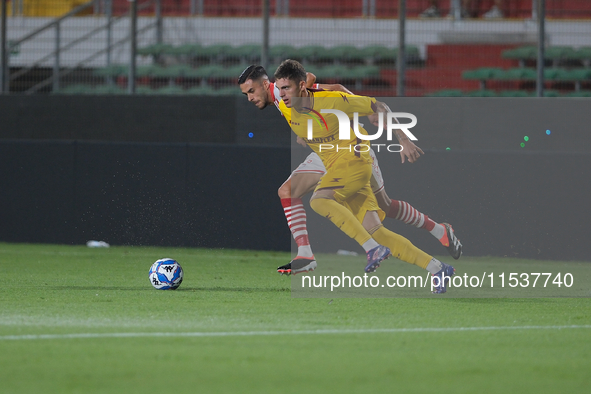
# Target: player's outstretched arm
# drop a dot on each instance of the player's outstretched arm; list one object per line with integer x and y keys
{"x": 409, "y": 150}
{"x": 337, "y": 87}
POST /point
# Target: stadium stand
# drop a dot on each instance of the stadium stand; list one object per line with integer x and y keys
{"x": 556, "y": 9}
{"x": 434, "y": 64}
{"x": 368, "y": 69}
{"x": 212, "y": 69}
{"x": 572, "y": 79}
{"x": 527, "y": 55}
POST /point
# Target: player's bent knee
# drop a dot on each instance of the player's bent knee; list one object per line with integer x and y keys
{"x": 302, "y": 184}
{"x": 371, "y": 222}
{"x": 323, "y": 194}
{"x": 285, "y": 190}
{"x": 314, "y": 205}
{"x": 320, "y": 205}
{"x": 384, "y": 201}
{"x": 384, "y": 206}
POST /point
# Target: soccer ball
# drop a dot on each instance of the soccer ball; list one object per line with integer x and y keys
{"x": 166, "y": 274}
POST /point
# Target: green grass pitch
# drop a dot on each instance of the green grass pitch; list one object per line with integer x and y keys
{"x": 80, "y": 320}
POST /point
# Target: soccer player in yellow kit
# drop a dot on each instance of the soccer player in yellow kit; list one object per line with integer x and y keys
{"x": 255, "y": 85}
{"x": 344, "y": 195}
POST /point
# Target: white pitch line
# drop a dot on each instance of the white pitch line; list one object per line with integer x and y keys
{"x": 273, "y": 333}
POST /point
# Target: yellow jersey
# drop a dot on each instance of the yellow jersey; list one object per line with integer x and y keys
{"x": 326, "y": 141}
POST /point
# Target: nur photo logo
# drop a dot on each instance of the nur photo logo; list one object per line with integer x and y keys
{"x": 346, "y": 124}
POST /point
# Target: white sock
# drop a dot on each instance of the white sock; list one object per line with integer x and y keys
{"x": 438, "y": 231}
{"x": 305, "y": 251}
{"x": 296, "y": 220}
{"x": 434, "y": 266}
{"x": 369, "y": 245}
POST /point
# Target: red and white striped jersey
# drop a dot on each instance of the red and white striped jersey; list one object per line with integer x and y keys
{"x": 275, "y": 94}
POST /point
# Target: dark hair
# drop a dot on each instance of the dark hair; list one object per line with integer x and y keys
{"x": 252, "y": 72}
{"x": 292, "y": 70}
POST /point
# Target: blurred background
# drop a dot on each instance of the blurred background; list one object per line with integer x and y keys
{"x": 198, "y": 47}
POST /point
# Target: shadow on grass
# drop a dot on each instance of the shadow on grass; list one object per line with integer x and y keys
{"x": 96, "y": 288}
{"x": 180, "y": 289}
{"x": 531, "y": 300}
{"x": 238, "y": 289}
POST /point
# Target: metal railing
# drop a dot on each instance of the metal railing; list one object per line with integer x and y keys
{"x": 3, "y": 49}
{"x": 58, "y": 72}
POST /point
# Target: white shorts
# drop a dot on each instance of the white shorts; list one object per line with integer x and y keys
{"x": 313, "y": 164}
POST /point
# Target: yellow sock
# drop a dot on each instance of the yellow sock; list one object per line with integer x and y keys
{"x": 342, "y": 218}
{"x": 401, "y": 247}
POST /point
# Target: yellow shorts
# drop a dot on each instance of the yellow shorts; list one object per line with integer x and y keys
{"x": 349, "y": 177}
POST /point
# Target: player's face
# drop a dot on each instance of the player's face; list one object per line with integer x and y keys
{"x": 289, "y": 89}
{"x": 257, "y": 92}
